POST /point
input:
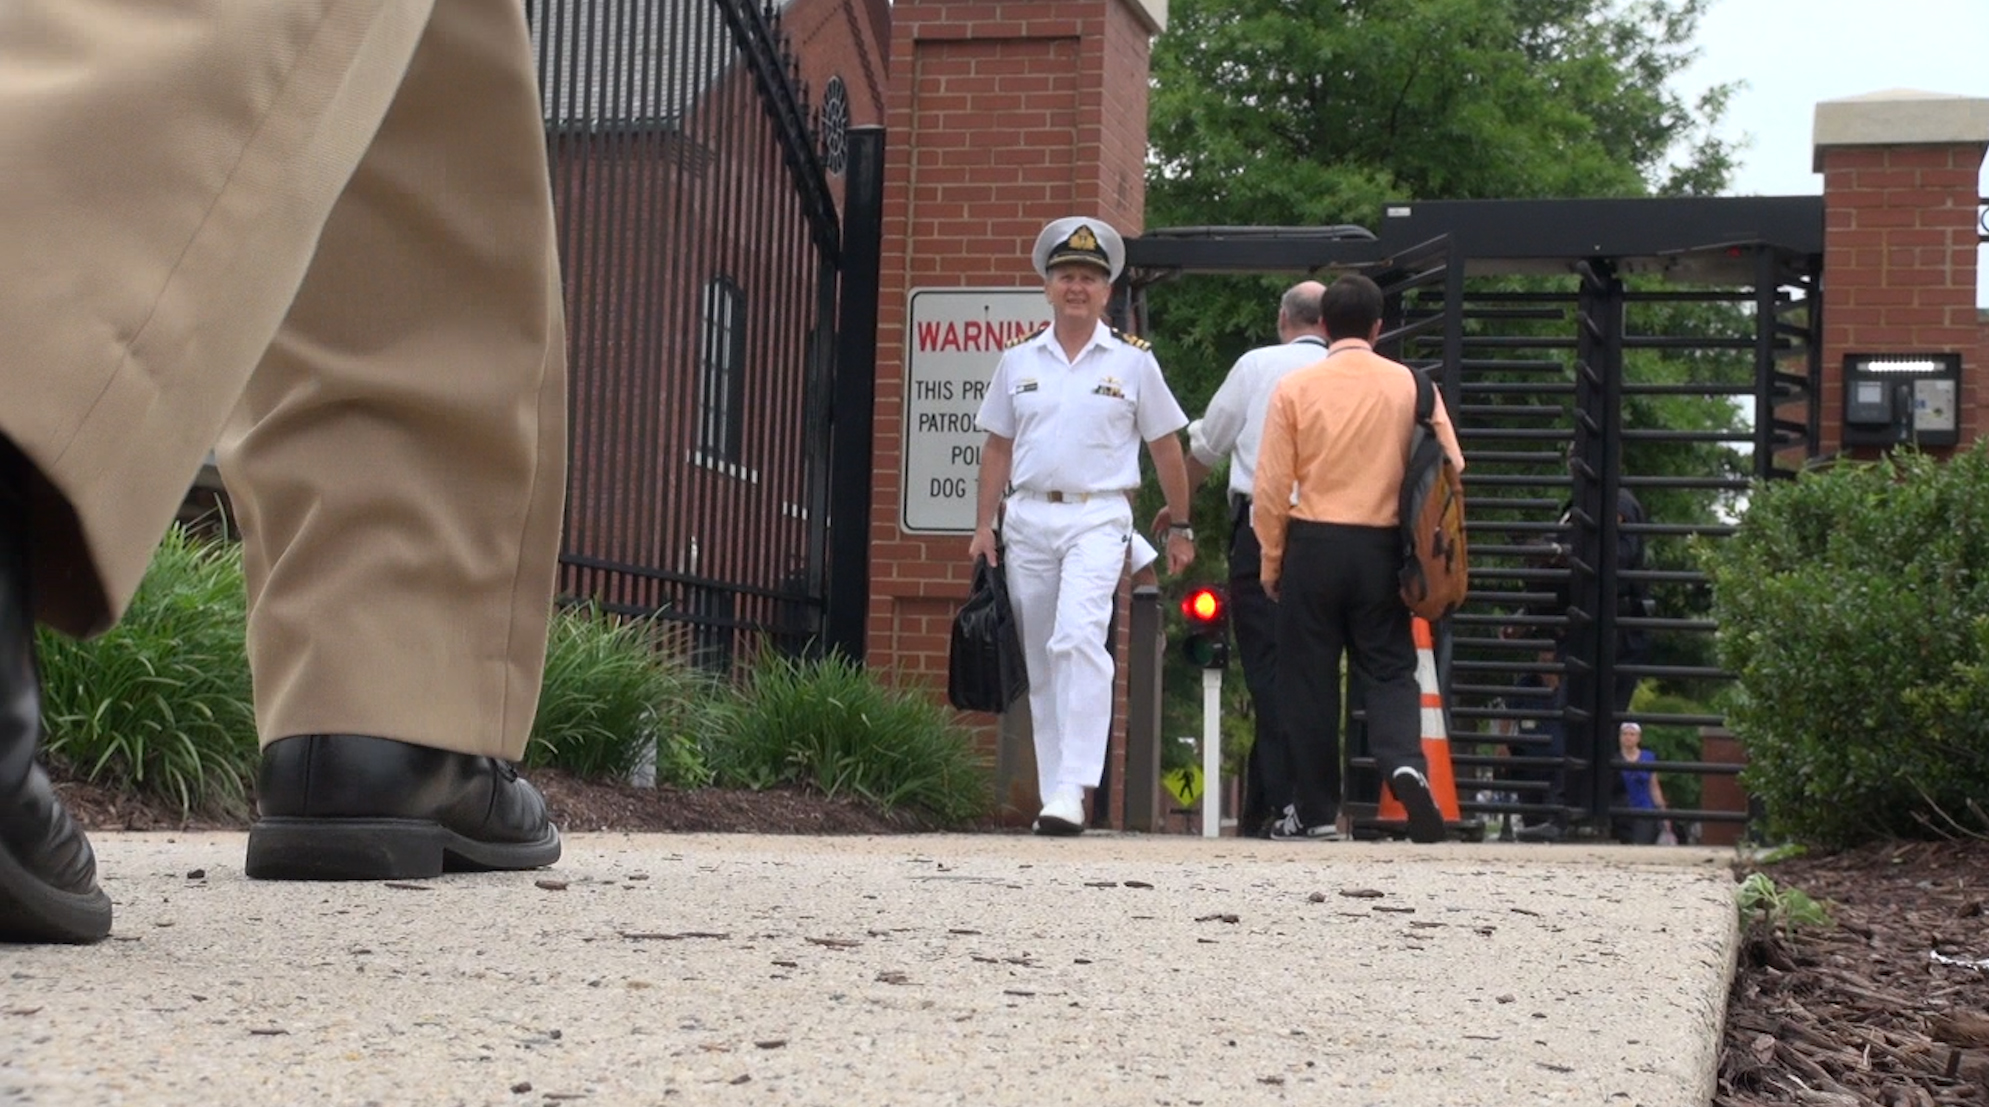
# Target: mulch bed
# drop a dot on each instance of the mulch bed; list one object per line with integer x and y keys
{"x": 1863, "y": 1012}
{"x": 1874, "y": 1010}
{"x": 579, "y": 805}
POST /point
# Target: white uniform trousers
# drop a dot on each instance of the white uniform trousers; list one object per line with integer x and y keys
{"x": 1064, "y": 563}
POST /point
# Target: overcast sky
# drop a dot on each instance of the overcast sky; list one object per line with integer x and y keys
{"x": 1793, "y": 53}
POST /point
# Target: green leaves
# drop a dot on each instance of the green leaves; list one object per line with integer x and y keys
{"x": 1282, "y": 111}
{"x": 615, "y": 688}
{"x": 1316, "y": 112}
{"x": 1854, "y": 605}
{"x": 160, "y": 703}
{"x": 834, "y": 726}
{"x": 1760, "y": 900}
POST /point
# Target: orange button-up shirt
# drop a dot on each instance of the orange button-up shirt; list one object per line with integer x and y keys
{"x": 1339, "y": 430}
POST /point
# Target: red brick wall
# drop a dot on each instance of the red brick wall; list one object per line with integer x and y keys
{"x": 842, "y": 38}
{"x": 1899, "y": 268}
{"x": 1002, "y": 116}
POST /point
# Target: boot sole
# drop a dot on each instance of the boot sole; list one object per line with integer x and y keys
{"x": 1050, "y": 827}
{"x": 1425, "y": 821}
{"x": 32, "y": 911}
{"x": 381, "y": 849}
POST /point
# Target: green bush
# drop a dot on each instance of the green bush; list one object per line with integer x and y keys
{"x": 1853, "y": 604}
{"x": 613, "y": 690}
{"x": 160, "y": 703}
{"x": 833, "y": 726}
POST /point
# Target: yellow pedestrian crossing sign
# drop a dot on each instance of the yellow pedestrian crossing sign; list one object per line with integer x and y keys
{"x": 1184, "y": 784}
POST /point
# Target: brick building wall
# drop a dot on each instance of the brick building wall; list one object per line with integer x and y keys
{"x": 1002, "y": 116}
{"x": 1901, "y": 176}
{"x": 657, "y": 209}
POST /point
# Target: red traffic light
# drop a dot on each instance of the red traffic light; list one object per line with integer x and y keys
{"x": 1203, "y": 605}
{"x": 1207, "y": 643}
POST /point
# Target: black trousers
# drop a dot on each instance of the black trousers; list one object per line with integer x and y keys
{"x": 1339, "y": 596}
{"x": 1267, "y": 777}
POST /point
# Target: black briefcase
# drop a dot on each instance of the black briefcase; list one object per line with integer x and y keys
{"x": 985, "y": 671}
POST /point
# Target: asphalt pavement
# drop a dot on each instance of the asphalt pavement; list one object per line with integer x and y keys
{"x": 975, "y": 970}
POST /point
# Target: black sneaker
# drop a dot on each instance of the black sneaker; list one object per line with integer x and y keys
{"x": 1289, "y": 829}
{"x": 1412, "y": 789}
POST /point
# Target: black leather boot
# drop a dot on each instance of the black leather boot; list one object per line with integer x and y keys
{"x": 48, "y": 874}
{"x": 352, "y": 807}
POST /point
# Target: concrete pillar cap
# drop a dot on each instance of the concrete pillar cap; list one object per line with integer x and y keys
{"x": 1899, "y": 117}
{"x": 1153, "y": 13}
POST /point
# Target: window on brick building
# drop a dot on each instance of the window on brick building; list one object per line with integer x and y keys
{"x": 835, "y": 126}
{"x": 722, "y": 360}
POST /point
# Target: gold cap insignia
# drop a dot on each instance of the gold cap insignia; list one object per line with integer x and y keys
{"x": 1082, "y": 239}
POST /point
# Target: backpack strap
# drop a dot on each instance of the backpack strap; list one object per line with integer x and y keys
{"x": 1420, "y": 435}
{"x": 1425, "y": 395}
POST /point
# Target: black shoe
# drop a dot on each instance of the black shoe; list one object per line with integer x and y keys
{"x": 351, "y": 807}
{"x": 48, "y": 874}
{"x": 1289, "y": 829}
{"x": 1546, "y": 830}
{"x": 1412, "y": 790}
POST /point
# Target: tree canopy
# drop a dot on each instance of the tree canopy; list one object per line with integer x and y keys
{"x": 1314, "y": 111}
{"x": 1318, "y": 112}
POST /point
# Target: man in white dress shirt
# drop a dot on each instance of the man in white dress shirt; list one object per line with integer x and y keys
{"x": 1065, "y": 413}
{"x": 1232, "y": 428}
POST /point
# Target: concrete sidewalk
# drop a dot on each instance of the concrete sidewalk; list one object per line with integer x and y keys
{"x": 907, "y": 970}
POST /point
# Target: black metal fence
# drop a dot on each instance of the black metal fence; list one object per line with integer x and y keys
{"x": 700, "y": 243}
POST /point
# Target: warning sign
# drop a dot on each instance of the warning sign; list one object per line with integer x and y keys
{"x": 954, "y": 340}
{"x": 1184, "y": 784}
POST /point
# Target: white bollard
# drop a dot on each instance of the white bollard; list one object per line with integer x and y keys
{"x": 1211, "y": 753}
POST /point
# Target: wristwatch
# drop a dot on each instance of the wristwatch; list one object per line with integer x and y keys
{"x": 1182, "y": 529}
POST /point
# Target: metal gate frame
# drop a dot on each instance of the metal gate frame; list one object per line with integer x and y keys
{"x": 1764, "y": 253}
{"x": 685, "y": 158}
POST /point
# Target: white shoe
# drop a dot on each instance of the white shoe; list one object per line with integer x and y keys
{"x": 1063, "y": 814}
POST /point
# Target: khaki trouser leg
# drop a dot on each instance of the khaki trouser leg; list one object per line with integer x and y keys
{"x": 165, "y": 168}
{"x": 398, "y": 460}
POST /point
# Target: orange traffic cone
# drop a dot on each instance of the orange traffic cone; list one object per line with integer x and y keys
{"x": 1436, "y": 742}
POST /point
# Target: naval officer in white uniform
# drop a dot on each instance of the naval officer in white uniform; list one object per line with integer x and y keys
{"x": 1065, "y": 413}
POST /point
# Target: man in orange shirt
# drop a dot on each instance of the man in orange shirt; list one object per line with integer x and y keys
{"x": 1340, "y": 431}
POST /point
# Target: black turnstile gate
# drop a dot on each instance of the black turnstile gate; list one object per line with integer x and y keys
{"x": 1667, "y": 349}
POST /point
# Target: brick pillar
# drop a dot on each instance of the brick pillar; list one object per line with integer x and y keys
{"x": 1002, "y": 116}
{"x": 1900, "y": 185}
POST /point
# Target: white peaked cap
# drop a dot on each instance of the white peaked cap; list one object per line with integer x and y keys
{"x": 1078, "y": 238}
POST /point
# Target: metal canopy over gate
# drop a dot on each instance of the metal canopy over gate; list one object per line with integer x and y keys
{"x": 1554, "y": 327}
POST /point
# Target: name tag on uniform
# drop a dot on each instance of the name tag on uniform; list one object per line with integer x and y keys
{"x": 1028, "y": 385}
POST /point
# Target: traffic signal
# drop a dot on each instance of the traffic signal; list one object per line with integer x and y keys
{"x": 1207, "y": 612}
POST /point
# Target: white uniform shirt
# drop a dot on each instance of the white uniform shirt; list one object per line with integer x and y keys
{"x": 1234, "y": 423}
{"x": 1077, "y": 425}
